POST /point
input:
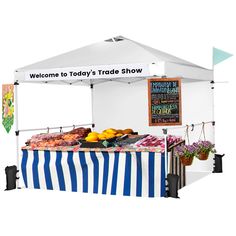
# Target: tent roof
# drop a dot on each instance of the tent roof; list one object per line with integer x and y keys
{"x": 113, "y": 53}
{"x": 118, "y": 50}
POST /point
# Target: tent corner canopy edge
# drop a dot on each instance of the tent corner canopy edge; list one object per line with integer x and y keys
{"x": 188, "y": 72}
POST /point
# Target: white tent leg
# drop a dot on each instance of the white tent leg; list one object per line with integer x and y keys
{"x": 213, "y": 106}
{"x": 92, "y": 108}
{"x": 166, "y": 152}
{"x": 16, "y": 84}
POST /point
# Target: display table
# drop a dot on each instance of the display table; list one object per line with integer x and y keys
{"x": 104, "y": 171}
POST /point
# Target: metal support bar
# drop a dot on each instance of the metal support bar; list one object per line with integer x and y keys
{"x": 51, "y": 128}
{"x": 197, "y": 124}
{"x": 65, "y": 82}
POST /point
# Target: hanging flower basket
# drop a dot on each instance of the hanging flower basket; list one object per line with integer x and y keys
{"x": 203, "y": 148}
{"x": 186, "y": 154}
{"x": 186, "y": 161}
{"x": 202, "y": 156}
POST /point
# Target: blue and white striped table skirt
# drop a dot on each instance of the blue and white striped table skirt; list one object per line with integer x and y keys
{"x": 116, "y": 173}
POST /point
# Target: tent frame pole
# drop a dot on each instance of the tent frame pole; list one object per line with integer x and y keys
{"x": 165, "y": 133}
{"x": 16, "y": 84}
{"x": 92, "y": 107}
{"x": 213, "y": 100}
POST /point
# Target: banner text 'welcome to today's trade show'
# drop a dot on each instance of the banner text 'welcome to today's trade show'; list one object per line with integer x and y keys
{"x": 91, "y": 72}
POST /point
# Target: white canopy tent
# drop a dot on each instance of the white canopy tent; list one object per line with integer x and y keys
{"x": 123, "y": 61}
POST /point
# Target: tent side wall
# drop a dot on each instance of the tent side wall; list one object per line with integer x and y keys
{"x": 120, "y": 105}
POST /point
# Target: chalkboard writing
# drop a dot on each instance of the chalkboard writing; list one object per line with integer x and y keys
{"x": 164, "y": 100}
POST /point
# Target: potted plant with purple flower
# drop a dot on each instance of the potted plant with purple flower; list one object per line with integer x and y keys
{"x": 203, "y": 148}
{"x": 186, "y": 154}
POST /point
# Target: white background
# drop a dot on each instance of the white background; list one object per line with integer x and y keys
{"x": 35, "y": 30}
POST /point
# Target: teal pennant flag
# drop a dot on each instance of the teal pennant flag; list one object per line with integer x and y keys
{"x": 219, "y": 56}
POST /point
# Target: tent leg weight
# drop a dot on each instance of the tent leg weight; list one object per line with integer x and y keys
{"x": 11, "y": 172}
{"x": 218, "y": 163}
{"x": 172, "y": 183}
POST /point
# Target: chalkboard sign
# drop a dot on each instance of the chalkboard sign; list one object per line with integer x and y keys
{"x": 164, "y": 101}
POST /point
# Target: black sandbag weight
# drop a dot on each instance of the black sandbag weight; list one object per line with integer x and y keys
{"x": 11, "y": 172}
{"x": 172, "y": 184}
{"x": 218, "y": 163}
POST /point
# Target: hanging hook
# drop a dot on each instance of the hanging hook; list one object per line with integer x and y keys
{"x": 203, "y": 131}
{"x": 192, "y": 125}
{"x": 61, "y": 131}
{"x": 186, "y": 134}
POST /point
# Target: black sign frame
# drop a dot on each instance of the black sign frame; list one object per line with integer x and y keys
{"x": 153, "y": 121}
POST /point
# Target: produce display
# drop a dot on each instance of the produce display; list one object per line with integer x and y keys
{"x": 58, "y": 139}
{"x": 154, "y": 141}
{"x": 107, "y": 134}
{"x": 85, "y": 138}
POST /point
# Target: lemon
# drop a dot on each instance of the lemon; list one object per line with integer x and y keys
{"x": 119, "y": 135}
{"x": 91, "y": 138}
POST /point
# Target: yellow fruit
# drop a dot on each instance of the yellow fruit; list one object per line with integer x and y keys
{"x": 128, "y": 131}
{"x": 102, "y": 136}
{"x": 109, "y": 135}
{"x": 91, "y": 138}
{"x": 118, "y": 135}
{"x": 110, "y": 131}
{"x": 119, "y": 131}
{"x": 93, "y": 133}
